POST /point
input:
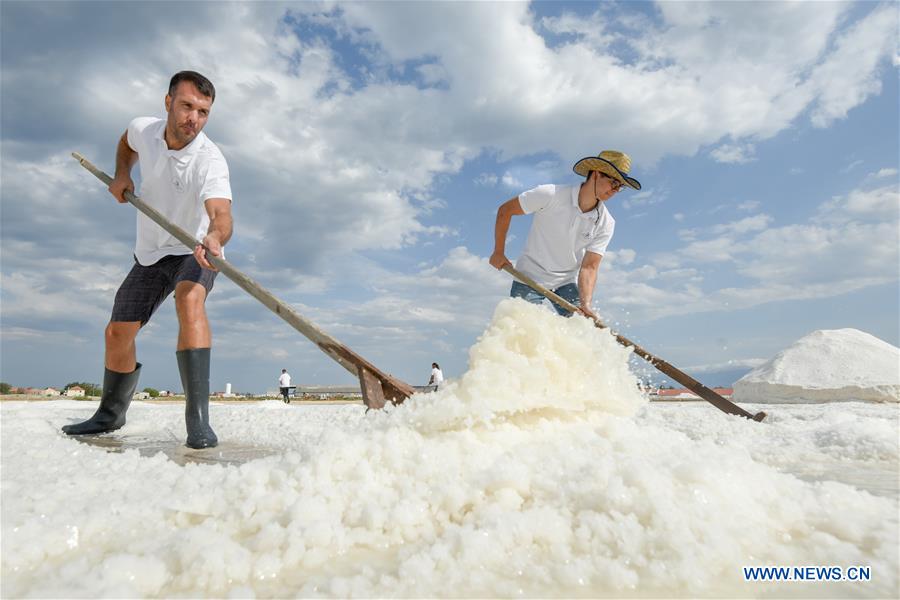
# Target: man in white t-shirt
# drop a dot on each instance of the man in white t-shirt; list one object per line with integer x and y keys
{"x": 284, "y": 384}
{"x": 185, "y": 177}
{"x": 437, "y": 376}
{"x": 570, "y": 231}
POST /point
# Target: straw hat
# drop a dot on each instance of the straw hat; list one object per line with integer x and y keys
{"x": 609, "y": 162}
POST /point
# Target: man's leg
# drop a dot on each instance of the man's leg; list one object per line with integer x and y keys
{"x": 121, "y": 353}
{"x": 193, "y": 354}
{"x": 568, "y": 292}
{"x": 143, "y": 289}
{"x": 120, "y": 379}
{"x": 520, "y": 290}
{"x": 193, "y": 326}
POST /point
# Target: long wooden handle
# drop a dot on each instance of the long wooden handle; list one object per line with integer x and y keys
{"x": 329, "y": 345}
{"x": 680, "y": 376}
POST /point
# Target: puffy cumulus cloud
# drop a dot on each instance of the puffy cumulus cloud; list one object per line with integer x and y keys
{"x": 754, "y": 223}
{"x": 734, "y": 153}
{"x": 731, "y": 229}
{"x": 625, "y": 256}
{"x": 807, "y": 254}
{"x": 848, "y": 75}
{"x": 881, "y": 203}
{"x": 696, "y": 74}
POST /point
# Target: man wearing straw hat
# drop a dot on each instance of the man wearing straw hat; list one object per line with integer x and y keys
{"x": 184, "y": 177}
{"x": 570, "y": 231}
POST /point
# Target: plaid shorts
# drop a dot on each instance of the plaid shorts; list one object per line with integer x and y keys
{"x": 145, "y": 288}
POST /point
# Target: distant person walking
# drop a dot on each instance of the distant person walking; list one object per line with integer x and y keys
{"x": 437, "y": 376}
{"x": 185, "y": 177}
{"x": 569, "y": 233}
{"x": 284, "y": 383}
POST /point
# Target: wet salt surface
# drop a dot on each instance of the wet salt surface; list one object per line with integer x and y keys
{"x": 531, "y": 475}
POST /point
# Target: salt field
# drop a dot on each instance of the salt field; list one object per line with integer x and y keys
{"x": 541, "y": 472}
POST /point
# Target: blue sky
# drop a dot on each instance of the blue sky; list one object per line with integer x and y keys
{"x": 371, "y": 143}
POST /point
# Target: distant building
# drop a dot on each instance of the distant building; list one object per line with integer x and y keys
{"x": 323, "y": 392}
{"x": 685, "y": 394}
{"x": 50, "y": 391}
{"x": 141, "y": 396}
{"x": 76, "y": 391}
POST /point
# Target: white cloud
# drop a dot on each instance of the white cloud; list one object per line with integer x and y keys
{"x": 509, "y": 180}
{"x": 720, "y": 249}
{"x": 625, "y": 256}
{"x": 594, "y": 30}
{"x": 486, "y": 179}
{"x": 877, "y": 204}
{"x": 848, "y": 75}
{"x": 851, "y": 165}
{"x": 754, "y": 223}
{"x": 644, "y": 198}
{"x": 734, "y": 153}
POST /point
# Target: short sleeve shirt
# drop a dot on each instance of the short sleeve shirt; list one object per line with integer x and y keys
{"x": 284, "y": 380}
{"x": 561, "y": 234}
{"x": 437, "y": 376}
{"x": 177, "y": 183}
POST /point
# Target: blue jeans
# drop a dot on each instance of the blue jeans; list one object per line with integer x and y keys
{"x": 567, "y": 292}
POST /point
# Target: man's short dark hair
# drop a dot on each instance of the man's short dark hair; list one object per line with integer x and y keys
{"x": 203, "y": 84}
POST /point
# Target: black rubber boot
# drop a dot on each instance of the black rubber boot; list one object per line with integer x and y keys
{"x": 194, "y": 368}
{"x": 118, "y": 388}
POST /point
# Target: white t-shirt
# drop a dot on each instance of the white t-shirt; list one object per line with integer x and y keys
{"x": 284, "y": 380}
{"x": 560, "y": 234}
{"x": 177, "y": 183}
{"x": 436, "y": 376}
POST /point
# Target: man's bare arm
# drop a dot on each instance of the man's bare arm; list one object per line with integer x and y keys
{"x": 587, "y": 280}
{"x": 505, "y": 213}
{"x": 221, "y": 226}
{"x": 125, "y": 159}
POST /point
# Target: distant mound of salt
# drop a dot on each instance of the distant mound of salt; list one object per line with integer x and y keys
{"x": 829, "y": 365}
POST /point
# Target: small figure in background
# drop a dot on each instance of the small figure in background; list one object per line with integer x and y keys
{"x": 437, "y": 376}
{"x": 284, "y": 382}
